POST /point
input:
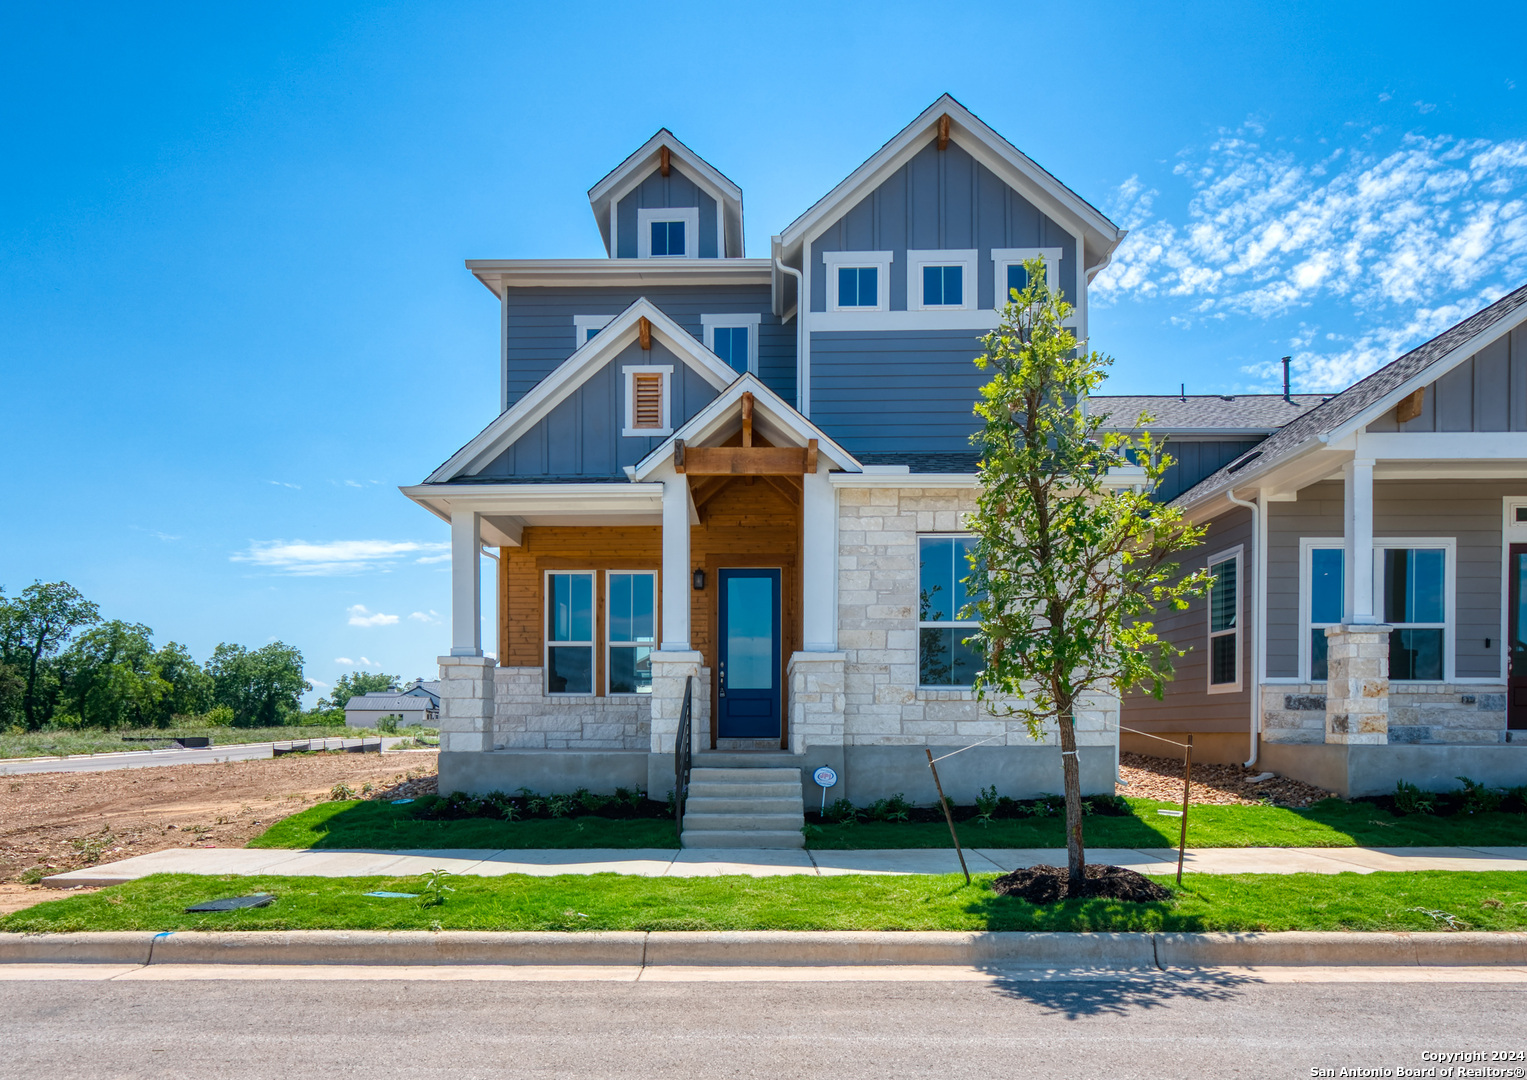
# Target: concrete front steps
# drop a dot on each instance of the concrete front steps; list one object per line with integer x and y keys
{"x": 744, "y": 808}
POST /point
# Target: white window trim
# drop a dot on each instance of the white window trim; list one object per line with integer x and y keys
{"x": 1448, "y": 544}
{"x": 881, "y": 260}
{"x": 631, "y": 430}
{"x": 689, "y": 215}
{"x": 1234, "y": 554}
{"x": 610, "y": 644}
{"x": 709, "y": 324}
{"x": 923, "y": 624}
{"x": 582, "y": 324}
{"x": 547, "y": 643}
{"x": 966, "y": 259}
{"x": 1002, "y": 258}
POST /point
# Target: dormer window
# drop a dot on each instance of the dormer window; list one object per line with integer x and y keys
{"x": 857, "y": 280}
{"x": 668, "y": 232}
{"x": 941, "y": 280}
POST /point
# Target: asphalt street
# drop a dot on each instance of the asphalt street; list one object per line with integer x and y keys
{"x": 150, "y": 759}
{"x": 1150, "y": 1025}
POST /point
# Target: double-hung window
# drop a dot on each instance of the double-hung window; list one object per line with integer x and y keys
{"x": 941, "y": 280}
{"x": 570, "y": 632}
{"x": 667, "y": 232}
{"x": 857, "y": 280}
{"x": 1325, "y": 596}
{"x": 1011, "y": 273}
{"x": 734, "y": 338}
{"x": 944, "y": 660}
{"x": 631, "y": 632}
{"x": 1225, "y": 622}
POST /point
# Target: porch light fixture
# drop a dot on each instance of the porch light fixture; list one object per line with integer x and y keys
{"x": 699, "y": 579}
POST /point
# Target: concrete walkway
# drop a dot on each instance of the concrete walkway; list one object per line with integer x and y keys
{"x": 713, "y": 862}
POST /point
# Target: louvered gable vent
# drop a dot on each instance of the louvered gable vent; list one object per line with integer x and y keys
{"x": 647, "y": 400}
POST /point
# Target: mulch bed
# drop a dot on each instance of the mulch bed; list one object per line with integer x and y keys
{"x": 1213, "y": 785}
{"x": 1044, "y": 884}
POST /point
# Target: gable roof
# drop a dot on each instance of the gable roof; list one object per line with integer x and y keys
{"x": 387, "y": 699}
{"x": 592, "y": 355}
{"x": 1217, "y": 414}
{"x": 1370, "y": 398}
{"x": 636, "y": 168}
{"x": 773, "y": 417}
{"x": 1017, "y": 169}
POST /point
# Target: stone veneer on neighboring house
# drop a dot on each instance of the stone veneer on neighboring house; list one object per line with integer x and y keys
{"x": 1419, "y": 713}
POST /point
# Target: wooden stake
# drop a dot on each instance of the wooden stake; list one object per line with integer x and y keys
{"x": 947, "y": 815}
{"x": 1187, "y": 777}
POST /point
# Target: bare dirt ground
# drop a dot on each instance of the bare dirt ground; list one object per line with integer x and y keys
{"x": 1213, "y": 785}
{"x": 51, "y": 822}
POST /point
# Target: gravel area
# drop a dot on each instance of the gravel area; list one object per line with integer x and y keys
{"x": 1213, "y": 785}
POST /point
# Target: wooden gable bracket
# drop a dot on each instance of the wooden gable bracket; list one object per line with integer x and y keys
{"x": 1410, "y": 406}
{"x": 811, "y": 455}
{"x": 747, "y": 418}
{"x": 662, "y": 161}
{"x": 943, "y": 132}
{"x": 644, "y": 332}
{"x": 678, "y": 455}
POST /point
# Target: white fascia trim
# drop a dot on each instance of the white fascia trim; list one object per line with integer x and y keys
{"x": 1002, "y": 258}
{"x": 443, "y": 500}
{"x": 582, "y": 324}
{"x": 881, "y": 260}
{"x": 689, "y": 215}
{"x": 965, "y": 258}
{"x": 768, "y": 408}
{"x": 554, "y": 389}
{"x": 627, "y": 373}
{"x": 749, "y": 320}
{"x": 498, "y": 274}
{"x": 1442, "y": 445}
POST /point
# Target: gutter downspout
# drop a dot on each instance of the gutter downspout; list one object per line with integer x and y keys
{"x": 1259, "y": 608}
{"x": 800, "y": 327}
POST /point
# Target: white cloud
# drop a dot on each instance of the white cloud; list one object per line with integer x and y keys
{"x": 283, "y": 483}
{"x": 432, "y": 616}
{"x": 426, "y": 560}
{"x": 303, "y": 559}
{"x": 344, "y": 661}
{"x": 319, "y": 684}
{"x": 359, "y": 616}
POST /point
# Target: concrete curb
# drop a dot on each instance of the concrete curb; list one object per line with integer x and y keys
{"x": 771, "y": 948}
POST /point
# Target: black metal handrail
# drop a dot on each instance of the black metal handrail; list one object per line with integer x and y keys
{"x": 681, "y": 755}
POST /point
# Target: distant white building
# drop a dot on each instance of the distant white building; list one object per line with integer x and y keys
{"x": 417, "y": 703}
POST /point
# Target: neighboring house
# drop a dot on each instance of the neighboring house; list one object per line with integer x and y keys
{"x": 751, "y": 473}
{"x": 411, "y": 706}
{"x": 1369, "y": 621}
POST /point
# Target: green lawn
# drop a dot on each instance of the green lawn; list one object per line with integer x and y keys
{"x": 16, "y": 744}
{"x": 1332, "y": 823}
{"x": 1480, "y": 901}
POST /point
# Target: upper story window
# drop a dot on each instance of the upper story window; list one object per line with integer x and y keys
{"x": 941, "y": 280}
{"x": 668, "y": 232}
{"x": 943, "y": 658}
{"x": 857, "y": 280}
{"x": 586, "y": 326}
{"x": 734, "y": 338}
{"x": 648, "y": 400}
{"x": 1225, "y": 622}
{"x": 1010, "y": 271}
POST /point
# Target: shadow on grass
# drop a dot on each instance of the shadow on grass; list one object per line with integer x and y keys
{"x": 1076, "y": 994}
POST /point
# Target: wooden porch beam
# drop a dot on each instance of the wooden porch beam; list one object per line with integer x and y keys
{"x": 746, "y": 460}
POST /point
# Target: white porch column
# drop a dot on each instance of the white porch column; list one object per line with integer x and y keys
{"x": 819, "y": 563}
{"x": 466, "y": 583}
{"x": 676, "y": 584}
{"x": 1357, "y": 480}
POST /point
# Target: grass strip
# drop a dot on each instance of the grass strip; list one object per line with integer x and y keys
{"x": 1332, "y": 823}
{"x": 1494, "y": 900}
{"x": 22, "y": 744}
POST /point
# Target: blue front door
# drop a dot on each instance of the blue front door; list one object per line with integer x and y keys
{"x": 748, "y": 694}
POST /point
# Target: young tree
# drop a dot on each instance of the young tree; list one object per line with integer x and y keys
{"x": 34, "y": 627}
{"x": 1068, "y": 566}
{"x": 357, "y": 682}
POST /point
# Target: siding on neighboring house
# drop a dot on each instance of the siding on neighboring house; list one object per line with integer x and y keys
{"x": 582, "y": 435}
{"x": 659, "y": 191}
{"x": 540, "y": 332}
{"x": 1487, "y": 392}
{"x": 942, "y": 199}
{"x": 1186, "y": 704}
{"x": 1195, "y": 459}
{"x": 1470, "y": 511}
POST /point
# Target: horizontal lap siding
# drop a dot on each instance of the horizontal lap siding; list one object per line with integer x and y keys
{"x": 1186, "y": 704}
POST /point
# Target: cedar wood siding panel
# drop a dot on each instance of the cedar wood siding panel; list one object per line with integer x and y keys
{"x": 941, "y": 199}
{"x": 539, "y": 325}
{"x": 1195, "y": 459}
{"x": 1469, "y": 511}
{"x": 582, "y": 435}
{"x": 1186, "y": 705}
{"x": 658, "y": 191}
{"x": 1487, "y": 392}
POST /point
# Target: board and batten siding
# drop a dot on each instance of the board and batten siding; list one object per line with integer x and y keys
{"x": 1186, "y": 705}
{"x": 540, "y": 334}
{"x": 657, "y": 191}
{"x": 1487, "y": 392}
{"x": 1195, "y": 459}
{"x": 942, "y": 199}
{"x": 1469, "y": 511}
{"x": 582, "y": 435}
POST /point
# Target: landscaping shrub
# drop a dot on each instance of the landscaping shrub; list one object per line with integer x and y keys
{"x": 1409, "y": 799}
{"x": 988, "y": 807}
{"x": 624, "y": 805}
{"x": 1475, "y": 798}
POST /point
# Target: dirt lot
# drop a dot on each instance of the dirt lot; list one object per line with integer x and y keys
{"x": 63, "y": 821}
{"x": 1213, "y": 785}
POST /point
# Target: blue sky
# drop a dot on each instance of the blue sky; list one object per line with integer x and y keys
{"x": 234, "y": 318}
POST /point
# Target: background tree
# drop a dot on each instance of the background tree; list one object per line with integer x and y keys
{"x": 108, "y": 678}
{"x": 1068, "y": 568}
{"x": 263, "y": 686}
{"x": 34, "y": 627}
{"x": 357, "y": 682}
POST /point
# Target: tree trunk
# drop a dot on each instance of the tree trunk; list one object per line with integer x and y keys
{"x": 1076, "y": 853}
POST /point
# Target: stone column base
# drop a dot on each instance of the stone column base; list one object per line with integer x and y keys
{"x": 466, "y": 702}
{"x": 670, "y": 668}
{"x": 817, "y": 699}
{"x": 1357, "y": 684}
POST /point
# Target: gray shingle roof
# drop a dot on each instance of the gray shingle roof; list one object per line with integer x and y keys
{"x": 1367, "y": 392}
{"x": 925, "y": 463}
{"x": 383, "y": 700}
{"x": 1205, "y": 412}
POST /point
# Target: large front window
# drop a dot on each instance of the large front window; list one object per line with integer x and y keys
{"x": 1415, "y": 603}
{"x": 942, "y": 625}
{"x": 1326, "y": 587}
{"x": 631, "y": 631}
{"x": 570, "y": 633}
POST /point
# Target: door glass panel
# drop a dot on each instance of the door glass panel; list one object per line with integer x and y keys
{"x": 749, "y": 633}
{"x": 1519, "y": 614}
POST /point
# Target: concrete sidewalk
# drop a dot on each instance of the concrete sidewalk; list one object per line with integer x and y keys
{"x": 659, "y": 862}
{"x": 202, "y": 755}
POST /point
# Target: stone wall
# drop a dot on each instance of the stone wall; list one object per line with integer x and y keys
{"x": 1294, "y": 712}
{"x": 1419, "y": 713}
{"x": 527, "y": 718}
{"x": 877, "y": 631}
